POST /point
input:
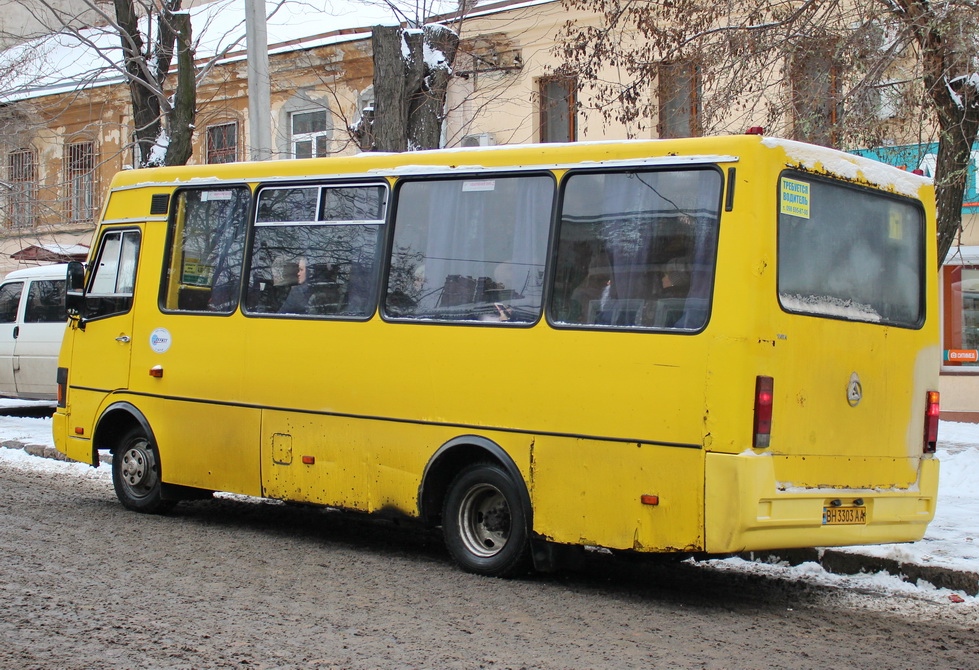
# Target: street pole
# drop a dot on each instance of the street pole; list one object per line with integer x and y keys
{"x": 259, "y": 84}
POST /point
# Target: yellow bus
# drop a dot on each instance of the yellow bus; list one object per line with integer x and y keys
{"x": 705, "y": 345}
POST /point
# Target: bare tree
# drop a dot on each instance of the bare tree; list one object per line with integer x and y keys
{"x": 150, "y": 45}
{"x": 816, "y": 70}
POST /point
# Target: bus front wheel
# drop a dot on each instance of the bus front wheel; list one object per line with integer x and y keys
{"x": 136, "y": 474}
{"x": 484, "y": 522}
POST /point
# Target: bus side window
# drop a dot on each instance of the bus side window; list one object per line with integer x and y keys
{"x": 114, "y": 277}
{"x": 316, "y": 250}
{"x": 636, "y": 249}
{"x": 206, "y": 251}
{"x": 470, "y": 250}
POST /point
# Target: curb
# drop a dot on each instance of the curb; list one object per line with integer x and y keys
{"x": 848, "y": 563}
{"x": 47, "y": 451}
{"x": 832, "y": 560}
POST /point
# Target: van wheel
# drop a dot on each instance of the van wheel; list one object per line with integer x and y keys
{"x": 484, "y": 522}
{"x": 136, "y": 474}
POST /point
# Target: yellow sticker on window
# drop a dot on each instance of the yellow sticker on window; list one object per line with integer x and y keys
{"x": 794, "y": 198}
{"x": 896, "y": 225}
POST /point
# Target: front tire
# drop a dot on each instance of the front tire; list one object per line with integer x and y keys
{"x": 136, "y": 474}
{"x": 485, "y": 523}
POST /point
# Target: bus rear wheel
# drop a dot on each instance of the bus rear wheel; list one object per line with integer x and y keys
{"x": 136, "y": 474}
{"x": 484, "y": 522}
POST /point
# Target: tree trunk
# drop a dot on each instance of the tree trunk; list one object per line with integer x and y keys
{"x": 390, "y": 127}
{"x": 957, "y": 104}
{"x": 146, "y": 107}
{"x": 409, "y": 90}
{"x": 181, "y": 116}
{"x": 426, "y": 108}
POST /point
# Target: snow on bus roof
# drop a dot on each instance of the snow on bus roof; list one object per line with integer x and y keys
{"x": 850, "y": 166}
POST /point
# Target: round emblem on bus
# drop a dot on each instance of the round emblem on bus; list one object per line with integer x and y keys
{"x": 160, "y": 340}
{"x": 854, "y": 390}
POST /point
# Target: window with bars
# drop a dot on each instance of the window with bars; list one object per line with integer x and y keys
{"x": 81, "y": 181}
{"x": 222, "y": 143}
{"x": 679, "y": 99}
{"x": 558, "y": 102}
{"x": 22, "y": 175}
{"x": 310, "y": 134}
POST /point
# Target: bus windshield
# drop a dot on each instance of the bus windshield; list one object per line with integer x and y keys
{"x": 847, "y": 253}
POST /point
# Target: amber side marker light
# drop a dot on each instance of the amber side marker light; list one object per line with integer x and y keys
{"x": 932, "y": 411}
{"x": 764, "y": 395}
{"x": 309, "y": 460}
{"x": 649, "y": 500}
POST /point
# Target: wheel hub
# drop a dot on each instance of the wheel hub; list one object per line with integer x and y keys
{"x": 484, "y": 518}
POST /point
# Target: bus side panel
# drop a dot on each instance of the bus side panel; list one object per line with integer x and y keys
{"x": 206, "y": 446}
{"x": 315, "y": 458}
{"x": 590, "y": 492}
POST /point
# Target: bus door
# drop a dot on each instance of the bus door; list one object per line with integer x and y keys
{"x": 106, "y": 330}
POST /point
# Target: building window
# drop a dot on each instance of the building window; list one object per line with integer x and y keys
{"x": 22, "y": 171}
{"x": 960, "y": 295}
{"x": 557, "y": 109}
{"x": 679, "y": 99}
{"x": 310, "y": 134}
{"x": 81, "y": 181}
{"x": 816, "y": 99}
{"x": 222, "y": 143}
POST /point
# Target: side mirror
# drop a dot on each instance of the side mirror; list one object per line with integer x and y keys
{"x": 75, "y": 290}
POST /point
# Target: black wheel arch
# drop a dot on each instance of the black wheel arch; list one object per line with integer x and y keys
{"x": 450, "y": 459}
{"x": 118, "y": 419}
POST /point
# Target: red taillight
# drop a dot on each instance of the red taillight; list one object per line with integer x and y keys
{"x": 62, "y": 379}
{"x": 763, "y": 412}
{"x": 932, "y": 411}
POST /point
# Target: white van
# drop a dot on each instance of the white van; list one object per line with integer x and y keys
{"x": 32, "y": 323}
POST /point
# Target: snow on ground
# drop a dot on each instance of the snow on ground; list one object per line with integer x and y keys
{"x": 952, "y": 539}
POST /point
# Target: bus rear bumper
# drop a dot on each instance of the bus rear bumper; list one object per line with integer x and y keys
{"x": 745, "y": 510}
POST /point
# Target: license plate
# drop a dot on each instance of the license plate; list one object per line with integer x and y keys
{"x": 840, "y": 516}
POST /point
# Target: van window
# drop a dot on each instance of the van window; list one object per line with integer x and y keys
{"x": 9, "y": 300}
{"x": 45, "y": 301}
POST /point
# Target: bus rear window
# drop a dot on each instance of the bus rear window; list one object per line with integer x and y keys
{"x": 847, "y": 253}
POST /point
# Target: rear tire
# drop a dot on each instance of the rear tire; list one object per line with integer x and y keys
{"x": 136, "y": 474}
{"x": 485, "y": 523}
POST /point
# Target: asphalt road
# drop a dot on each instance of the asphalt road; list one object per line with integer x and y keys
{"x": 234, "y": 583}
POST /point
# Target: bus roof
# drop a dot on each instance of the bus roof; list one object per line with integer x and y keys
{"x": 685, "y": 151}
